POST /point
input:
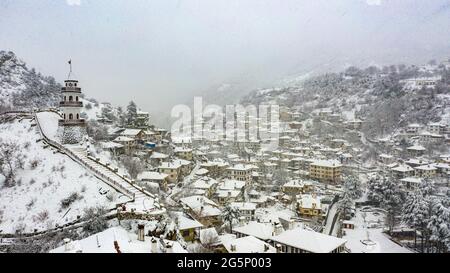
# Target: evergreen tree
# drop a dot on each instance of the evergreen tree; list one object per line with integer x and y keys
{"x": 439, "y": 226}
{"x": 346, "y": 203}
{"x": 387, "y": 192}
{"x": 229, "y": 215}
{"x": 121, "y": 117}
{"x": 131, "y": 113}
{"x": 416, "y": 213}
{"x": 352, "y": 187}
{"x": 108, "y": 113}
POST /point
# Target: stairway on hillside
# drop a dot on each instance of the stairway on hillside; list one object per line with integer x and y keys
{"x": 81, "y": 153}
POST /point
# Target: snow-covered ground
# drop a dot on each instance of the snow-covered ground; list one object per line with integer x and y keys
{"x": 94, "y": 111}
{"x": 329, "y": 223}
{"x": 49, "y": 124}
{"x": 35, "y": 201}
{"x": 380, "y": 241}
{"x": 143, "y": 202}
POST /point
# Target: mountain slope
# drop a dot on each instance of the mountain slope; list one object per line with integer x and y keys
{"x": 24, "y": 88}
{"x": 378, "y": 96}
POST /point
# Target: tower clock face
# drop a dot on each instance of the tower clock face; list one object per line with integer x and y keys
{"x": 70, "y": 84}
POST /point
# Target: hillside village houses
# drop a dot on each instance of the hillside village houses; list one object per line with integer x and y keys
{"x": 202, "y": 209}
{"x": 309, "y": 205}
{"x": 297, "y": 187}
{"x": 230, "y": 190}
{"x": 326, "y": 170}
{"x": 246, "y": 210}
{"x": 247, "y": 244}
{"x": 204, "y": 186}
{"x": 172, "y": 169}
{"x": 286, "y": 197}
{"x": 305, "y": 241}
{"x": 155, "y": 177}
{"x": 240, "y": 172}
{"x": 183, "y": 153}
{"x": 422, "y": 82}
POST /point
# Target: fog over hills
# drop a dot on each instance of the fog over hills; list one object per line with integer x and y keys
{"x": 161, "y": 53}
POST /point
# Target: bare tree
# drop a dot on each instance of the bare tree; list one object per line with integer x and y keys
{"x": 96, "y": 130}
{"x": 229, "y": 215}
{"x": 11, "y": 159}
{"x": 133, "y": 166}
{"x": 95, "y": 220}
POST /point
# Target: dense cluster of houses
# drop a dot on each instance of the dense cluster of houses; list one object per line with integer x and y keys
{"x": 282, "y": 195}
{"x": 206, "y": 175}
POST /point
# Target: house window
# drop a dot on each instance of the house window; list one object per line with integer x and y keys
{"x": 70, "y": 116}
{"x": 70, "y": 98}
{"x": 78, "y": 115}
{"x": 76, "y": 98}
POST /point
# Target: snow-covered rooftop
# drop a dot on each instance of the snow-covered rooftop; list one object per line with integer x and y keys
{"x": 326, "y": 163}
{"x": 311, "y": 241}
{"x": 187, "y": 223}
{"x": 201, "y": 205}
{"x": 248, "y": 244}
{"x": 152, "y": 176}
{"x": 263, "y": 231}
{"x": 103, "y": 242}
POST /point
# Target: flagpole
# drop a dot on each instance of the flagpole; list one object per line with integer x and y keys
{"x": 70, "y": 71}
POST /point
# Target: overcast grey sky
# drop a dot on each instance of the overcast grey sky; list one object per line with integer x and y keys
{"x": 161, "y": 52}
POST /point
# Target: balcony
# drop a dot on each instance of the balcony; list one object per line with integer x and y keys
{"x": 71, "y": 89}
{"x": 70, "y": 104}
{"x": 71, "y": 122}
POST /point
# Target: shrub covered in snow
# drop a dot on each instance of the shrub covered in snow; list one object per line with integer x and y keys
{"x": 66, "y": 202}
{"x": 31, "y": 203}
{"x": 95, "y": 220}
{"x": 11, "y": 159}
{"x": 41, "y": 216}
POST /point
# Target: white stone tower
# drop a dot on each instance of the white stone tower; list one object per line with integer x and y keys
{"x": 72, "y": 126}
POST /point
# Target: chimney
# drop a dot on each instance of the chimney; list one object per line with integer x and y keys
{"x": 291, "y": 224}
{"x": 278, "y": 228}
{"x": 169, "y": 248}
{"x": 154, "y": 245}
{"x": 278, "y": 246}
{"x": 233, "y": 248}
{"x": 141, "y": 234}
{"x": 67, "y": 244}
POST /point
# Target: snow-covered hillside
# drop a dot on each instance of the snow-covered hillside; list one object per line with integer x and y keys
{"x": 21, "y": 87}
{"x": 35, "y": 201}
{"x": 377, "y": 96}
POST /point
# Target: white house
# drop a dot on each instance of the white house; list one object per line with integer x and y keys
{"x": 247, "y": 244}
{"x": 300, "y": 240}
{"x": 246, "y": 209}
{"x": 117, "y": 239}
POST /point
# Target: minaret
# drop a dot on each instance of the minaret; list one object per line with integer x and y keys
{"x": 72, "y": 124}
